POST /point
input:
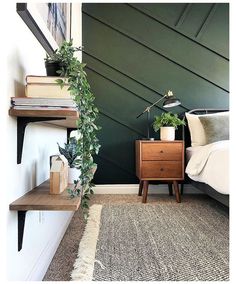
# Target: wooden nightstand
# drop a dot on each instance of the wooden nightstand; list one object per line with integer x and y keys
{"x": 159, "y": 160}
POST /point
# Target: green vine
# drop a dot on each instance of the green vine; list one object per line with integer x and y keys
{"x": 87, "y": 143}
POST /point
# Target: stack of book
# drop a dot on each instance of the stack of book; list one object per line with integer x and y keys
{"x": 43, "y": 93}
{"x": 42, "y": 103}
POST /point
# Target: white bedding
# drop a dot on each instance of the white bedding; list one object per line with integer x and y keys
{"x": 191, "y": 150}
{"x": 210, "y": 164}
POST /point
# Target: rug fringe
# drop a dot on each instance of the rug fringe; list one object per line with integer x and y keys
{"x": 84, "y": 264}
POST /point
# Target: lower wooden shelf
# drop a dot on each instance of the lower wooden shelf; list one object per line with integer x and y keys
{"x": 39, "y": 198}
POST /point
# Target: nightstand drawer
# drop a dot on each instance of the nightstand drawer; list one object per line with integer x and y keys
{"x": 162, "y": 151}
{"x": 163, "y": 169}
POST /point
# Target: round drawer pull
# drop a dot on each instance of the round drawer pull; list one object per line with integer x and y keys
{"x": 161, "y": 169}
{"x": 161, "y": 151}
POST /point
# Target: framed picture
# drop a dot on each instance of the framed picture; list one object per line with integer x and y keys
{"x": 49, "y": 22}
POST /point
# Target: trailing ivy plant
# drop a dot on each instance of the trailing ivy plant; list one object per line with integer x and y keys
{"x": 88, "y": 145}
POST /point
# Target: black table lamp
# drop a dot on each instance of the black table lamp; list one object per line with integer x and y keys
{"x": 169, "y": 101}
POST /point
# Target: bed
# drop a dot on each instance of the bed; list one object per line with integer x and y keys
{"x": 206, "y": 138}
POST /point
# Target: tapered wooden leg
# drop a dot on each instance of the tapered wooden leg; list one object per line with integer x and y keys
{"x": 140, "y": 191}
{"x": 170, "y": 189}
{"x": 176, "y": 188}
{"x": 145, "y": 190}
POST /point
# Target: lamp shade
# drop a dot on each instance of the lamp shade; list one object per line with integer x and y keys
{"x": 171, "y": 102}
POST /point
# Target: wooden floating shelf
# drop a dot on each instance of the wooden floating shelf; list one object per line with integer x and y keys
{"x": 63, "y": 112}
{"x": 63, "y": 117}
{"x": 60, "y": 117}
{"x": 39, "y": 198}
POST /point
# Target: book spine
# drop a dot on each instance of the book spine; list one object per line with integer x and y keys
{"x": 43, "y": 105}
{"x": 46, "y": 91}
{"x": 30, "y": 79}
{"x": 43, "y": 102}
{"x": 44, "y": 108}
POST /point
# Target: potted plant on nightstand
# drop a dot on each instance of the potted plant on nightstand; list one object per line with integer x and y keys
{"x": 72, "y": 73}
{"x": 167, "y": 123}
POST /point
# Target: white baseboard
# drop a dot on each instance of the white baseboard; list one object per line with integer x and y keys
{"x": 44, "y": 260}
{"x": 133, "y": 189}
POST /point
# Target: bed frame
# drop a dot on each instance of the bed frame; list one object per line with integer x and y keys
{"x": 222, "y": 198}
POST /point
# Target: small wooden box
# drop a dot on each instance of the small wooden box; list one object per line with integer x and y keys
{"x": 58, "y": 174}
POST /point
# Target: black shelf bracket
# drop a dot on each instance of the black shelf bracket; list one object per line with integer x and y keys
{"x": 21, "y": 226}
{"x": 22, "y": 122}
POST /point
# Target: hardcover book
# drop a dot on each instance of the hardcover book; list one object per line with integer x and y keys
{"x": 45, "y": 87}
{"x": 28, "y": 101}
{"x": 44, "y": 108}
{"x": 32, "y": 79}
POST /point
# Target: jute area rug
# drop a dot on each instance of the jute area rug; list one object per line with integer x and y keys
{"x": 162, "y": 242}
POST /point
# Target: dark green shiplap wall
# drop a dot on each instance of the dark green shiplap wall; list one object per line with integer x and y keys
{"x": 134, "y": 53}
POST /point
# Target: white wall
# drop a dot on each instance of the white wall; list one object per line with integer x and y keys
{"x": 21, "y": 54}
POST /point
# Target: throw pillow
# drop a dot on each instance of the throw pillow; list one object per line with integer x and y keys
{"x": 216, "y": 128}
{"x": 197, "y": 132}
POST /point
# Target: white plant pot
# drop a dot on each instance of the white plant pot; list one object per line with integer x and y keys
{"x": 73, "y": 174}
{"x": 168, "y": 133}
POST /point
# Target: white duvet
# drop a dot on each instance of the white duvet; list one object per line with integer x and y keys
{"x": 210, "y": 164}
